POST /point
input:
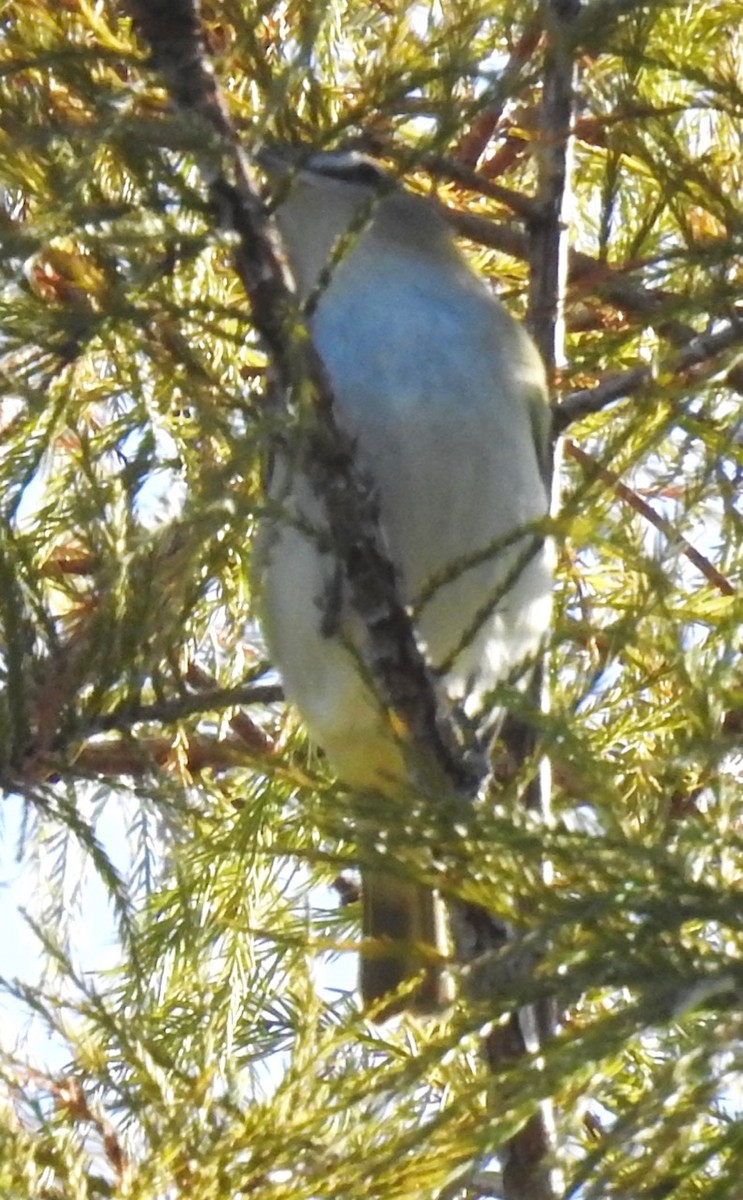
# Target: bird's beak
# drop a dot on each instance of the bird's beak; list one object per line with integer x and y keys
{"x": 278, "y": 162}
{"x": 271, "y": 160}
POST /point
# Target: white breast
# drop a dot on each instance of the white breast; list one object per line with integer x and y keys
{"x": 434, "y": 383}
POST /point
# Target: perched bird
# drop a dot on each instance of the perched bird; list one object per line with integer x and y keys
{"x": 444, "y": 395}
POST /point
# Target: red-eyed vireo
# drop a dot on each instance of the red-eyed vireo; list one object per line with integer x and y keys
{"x": 445, "y": 396}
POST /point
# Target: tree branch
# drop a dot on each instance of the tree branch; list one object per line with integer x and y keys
{"x": 164, "y": 712}
{"x": 611, "y": 284}
{"x": 708, "y": 569}
{"x": 528, "y": 1172}
{"x": 138, "y": 757}
{"x": 473, "y": 143}
{"x": 172, "y": 28}
{"x": 701, "y": 352}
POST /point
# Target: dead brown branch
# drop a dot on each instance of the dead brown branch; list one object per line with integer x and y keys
{"x": 116, "y": 757}
{"x": 661, "y": 523}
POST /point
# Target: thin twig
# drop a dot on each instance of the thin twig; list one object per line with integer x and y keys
{"x": 177, "y": 708}
{"x": 594, "y": 468}
{"x": 701, "y": 352}
{"x": 474, "y": 142}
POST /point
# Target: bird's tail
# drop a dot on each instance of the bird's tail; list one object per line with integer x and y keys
{"x": 405, "y": 931}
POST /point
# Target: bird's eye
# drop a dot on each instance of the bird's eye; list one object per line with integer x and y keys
{"x": 361, "y": 172}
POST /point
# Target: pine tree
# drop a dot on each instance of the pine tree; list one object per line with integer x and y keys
{"x": 160, "y": 779}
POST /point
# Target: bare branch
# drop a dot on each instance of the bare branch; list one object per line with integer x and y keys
{"x": 165, "y": 712}
{"x": 241, "y": 724}
{"x": 473, "y": 143}
{"x": 142, "y": 756}
{"x": 701, "y": 352}
{"x": 445, "y": 167}
{"x": 710, "y": 572}
{"x": 528, "y": 1172}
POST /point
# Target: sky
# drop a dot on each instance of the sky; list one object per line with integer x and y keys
{"x": 87, "y": 916}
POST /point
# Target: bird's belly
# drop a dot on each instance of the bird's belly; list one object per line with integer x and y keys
{"x": 451, "y": 486}
{"x": 440, "y": 417}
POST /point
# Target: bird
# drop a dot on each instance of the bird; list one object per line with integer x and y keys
{"x": 444, "y": 396}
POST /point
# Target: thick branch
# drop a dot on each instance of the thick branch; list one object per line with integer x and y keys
{"x": 548, "y": 245}
{"x": 527, "y": 1171}
{"x": 172, "y": 27}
